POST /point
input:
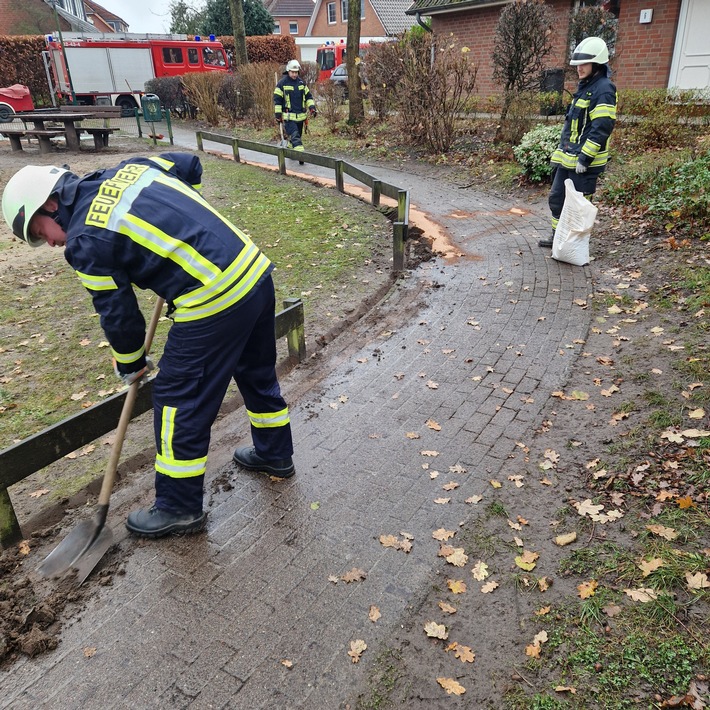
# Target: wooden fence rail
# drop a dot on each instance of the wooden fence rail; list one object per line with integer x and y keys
{"x": 47, "y": 446}
{"x": 340, "y": 168}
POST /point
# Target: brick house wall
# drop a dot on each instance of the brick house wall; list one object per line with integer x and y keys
{"x": 643, "y": 52}
{"x": 370, "y": 26}
{"x": 285, "y": 23}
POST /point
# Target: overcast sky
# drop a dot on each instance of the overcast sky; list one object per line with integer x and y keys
{"x": 142, "y": 15}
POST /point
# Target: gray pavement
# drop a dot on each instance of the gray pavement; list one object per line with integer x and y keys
{"x": 215, "y": 620}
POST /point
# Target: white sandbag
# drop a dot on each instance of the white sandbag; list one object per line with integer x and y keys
{"x": 571, "y": 241}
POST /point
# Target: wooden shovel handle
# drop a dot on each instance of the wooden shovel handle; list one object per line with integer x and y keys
{"x": 126, "y": 413}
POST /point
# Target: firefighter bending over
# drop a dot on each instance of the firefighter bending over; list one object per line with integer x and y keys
{"x": 144, "y": 222}
{"x": 292, "y": 102}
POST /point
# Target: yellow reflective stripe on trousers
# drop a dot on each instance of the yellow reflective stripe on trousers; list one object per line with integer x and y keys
{"x": 128, "y": 358}
{"x": 167, "y": 430}
{"x": 269, "y": 420}
{"x": 177, "y": 468}
{"x": 235, "y": 270}
{"x": 97, "y": 283}
{"x": 294, "y": 116}
{"x": 230, "y": 297}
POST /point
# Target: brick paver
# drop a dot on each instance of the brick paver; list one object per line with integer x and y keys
{"x": 476, "y": 344}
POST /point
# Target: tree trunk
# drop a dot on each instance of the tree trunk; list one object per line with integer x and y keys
{"x": 357, "y": 110}
{"x": 236, "y": 7}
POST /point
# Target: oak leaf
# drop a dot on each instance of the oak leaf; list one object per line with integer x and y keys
{"x": 374, "y": 614}
{"x": 699, "y": 580}
{"x": 488, "y": 587}
{"x": 641, "y": 595}
{"x": 357, "y": 648}
{"x": 458, "y": 558}
{"x": 39, "y": 492}
{"x": 685, "y": 502}
{"x": 433, "y": 425}
{"x": 663, "y": 531}
{"x": 566, "y": 539}
{"x": 526, "y": 561}
{"x": 480, "y": 571}
{"x": 587, "y": 589}
{"x": 463, "y": 653}
{"x": 474, "y": 499}
{"x": 442, "y": 501}
{"x": 451, "y": 686}
{"x": 450, "y": 486}
{"x": 412, "y": 435}
{"x": 286, "y": 662}
{"x": 442, "y": 534}
{"x": 437, "y": 631}
{"x": 447, "y": 608}
{"x": 389, "y": 541}
{"x": 648, "y": 566}
{"x": 354, "y": 575}
{"x": 456, "y": 586}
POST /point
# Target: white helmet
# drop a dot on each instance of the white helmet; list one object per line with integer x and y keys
{"x": 293, "y": 65}
{"x": 591, "y": 49}
{"x": 26, "y": 191}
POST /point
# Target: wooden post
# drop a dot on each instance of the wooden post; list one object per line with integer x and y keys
{"x": 235, "y": 150}
{"x": 339, "y": 176}
{"x": 282, "y": 162}
{"x": 10, "y": 532}
{"x": 376, "y": 192}
{"x": 296, "y": 336}
{"x": 198, "y": 136}
{"x": 398, "y": 246}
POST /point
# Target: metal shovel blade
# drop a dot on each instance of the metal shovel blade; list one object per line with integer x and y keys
{"x": 80, "y": 550}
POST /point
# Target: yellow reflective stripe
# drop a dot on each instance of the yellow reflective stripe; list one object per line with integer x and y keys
{"x": 268, "y": 420}
{"x": 278, "y": 91}
{"x": 167, "y": 164}
{"x": 180, "y": 468}
{"x": 204, "y": 293}
{"x": 161, "y": 243}
{"x": 97, "y": 283}
{"x": 197, "y": 186}
{"x": 228, "y": 298}
{"x": 563, "y": 159}
{"x": 294, "y": 116}
{"x": 590, "y": 148}
{"x": 128, "y": 358}
{"x": 603, "y": 111}
{"x": 299, "y": 147}
{"x": 582, "y": 103}
{"x": 167, "y": 430}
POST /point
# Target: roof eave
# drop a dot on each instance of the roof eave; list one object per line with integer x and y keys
{"x": 455, "y": 7}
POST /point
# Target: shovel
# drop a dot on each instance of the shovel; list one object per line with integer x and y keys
{"x": 284, "y": 142}
{"x": 87, "y": 543}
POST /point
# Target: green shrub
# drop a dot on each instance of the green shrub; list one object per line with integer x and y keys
{"x": 675, "y": 196}
{"x": 535, "y": 150}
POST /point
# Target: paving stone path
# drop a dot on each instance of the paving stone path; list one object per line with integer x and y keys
{"x": 255, "y": 612}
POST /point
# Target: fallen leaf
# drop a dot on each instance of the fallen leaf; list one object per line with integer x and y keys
{"x": 699, "y": 580}
{"x": 579, "y": 395}
{"x": 451, "y": 686}
{"x": 542, "y": 611}
{"x": 432, "y": 385}
{"x": 464, "y": 653}
{"x": 433, "y": 425}
{"x": 612, "y": 610}
{"x": 565, "y": 689}
{"x": 354, "y": 575}
{"x": 437, "y": 631}
{"x": 39, "y": 492}
{"x": 442, "y": 534}
{"x": 649, "y": 566}
{"x": 458, "y": 558}
{"x": 474, "y": 499}
{"x": 456, "y": 586}
{"x": 442, "y": 501}
{"x": 480, "y": 571}
{"x": 450, "y": 486}
{"x": 488, "y": 587}
{"x": 389, "y": 541}
{"x": 663, "y": 531}
{"x": 286, "y": 662}
{"x": 23, "y": 547}
{"x": 315, "y": 505}
{"x": 447, "y": 608}
{"x": 357, "y": 648}
{"x": 587, "y": 589}
{"x": 526, "y": 561}
{"x": 696, "y": 413}
{"x": 374, "y": 614}
{"x": 412, "y": 435}
{"x": 429, "y": 453}
{"x": 566, "y": 539}
{"x": 89, "y": 651}
{"x": 495, "y": 484}
{"x": 544, "y": 583}
{"x": 641, "y": 595}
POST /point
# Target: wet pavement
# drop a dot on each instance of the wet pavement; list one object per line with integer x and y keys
{"x": 259, "y": 611}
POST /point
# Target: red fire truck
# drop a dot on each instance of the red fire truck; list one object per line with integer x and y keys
{"x": 332, "y": 54}
{"x": 111, "y": 69}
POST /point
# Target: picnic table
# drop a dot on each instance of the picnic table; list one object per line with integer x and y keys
{"x": 39, "y": 119}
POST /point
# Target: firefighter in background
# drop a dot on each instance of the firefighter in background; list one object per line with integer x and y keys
{"x": 144, "y": 222}
{"x": 584, "y": 145}
{"x": 292, "y": 103}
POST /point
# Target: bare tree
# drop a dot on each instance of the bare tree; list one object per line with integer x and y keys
{"x": 357, "y": 111}
{"x": 523, "y": 40}
{"x": 236, "y": 7}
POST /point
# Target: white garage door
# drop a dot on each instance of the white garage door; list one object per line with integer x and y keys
{"x": 691, "y": 59}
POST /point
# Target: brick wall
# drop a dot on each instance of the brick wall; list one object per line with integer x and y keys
{"x": 285, "y": 22}
{"x": 643, "y": 55}
{"x": 370, "y": 26}
{"x": 644, "y": 51}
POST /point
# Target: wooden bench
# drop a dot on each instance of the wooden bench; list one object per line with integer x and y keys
{"x": 45, "y": 146}
{"x": 100, "y": 135}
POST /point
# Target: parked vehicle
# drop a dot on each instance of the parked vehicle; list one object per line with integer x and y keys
{"x": 111, "y": 69}
{"x": 340, "y": 77}
{"x": 332, "y": 55}
{"x": 13, "y": 99}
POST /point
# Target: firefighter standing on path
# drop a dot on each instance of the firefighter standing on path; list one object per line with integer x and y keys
{"x": 292, "y": 103}
{"x": 584, "y": 145}
{"x": 144, "y": 222}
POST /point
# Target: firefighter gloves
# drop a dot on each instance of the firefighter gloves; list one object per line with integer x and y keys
{"x": 580, "y": 167}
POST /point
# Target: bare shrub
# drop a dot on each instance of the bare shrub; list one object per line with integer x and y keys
{"x": 329, "y": 97}
{"x": 522, "y": 41}
{"x": 431, "y": 95}
{"x": 309, "y": 74}
{"x": 384, "y": 70}
{"x": 202, "y": 90}
{"x": 252, "y": 94}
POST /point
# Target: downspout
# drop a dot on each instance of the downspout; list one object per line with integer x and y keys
{"x": 428, "y": 29}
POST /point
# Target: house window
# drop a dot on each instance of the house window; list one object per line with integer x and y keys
{"x": 331, "y": 13}
{"x": 344, "y": 10}
{"x": 277, "y": 28}
{"x": 293, "y": 28}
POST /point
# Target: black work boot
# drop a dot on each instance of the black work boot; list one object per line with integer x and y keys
{"x": 158, "y": 523}
{"x": 545, "y": 243}
{"x": 246, "y": 457}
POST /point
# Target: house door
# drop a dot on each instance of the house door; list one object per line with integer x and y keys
{"x": 690, "y": 68}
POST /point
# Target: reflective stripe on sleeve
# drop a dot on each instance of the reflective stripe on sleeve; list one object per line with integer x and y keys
{"x": 128, "y": 358}
{"x": 97, "y": 283}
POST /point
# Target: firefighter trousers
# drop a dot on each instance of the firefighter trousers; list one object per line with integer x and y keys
{"x": 199, "y": 360}
{"x": 294, "y": 130}
{"x": 586, "y": 183}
